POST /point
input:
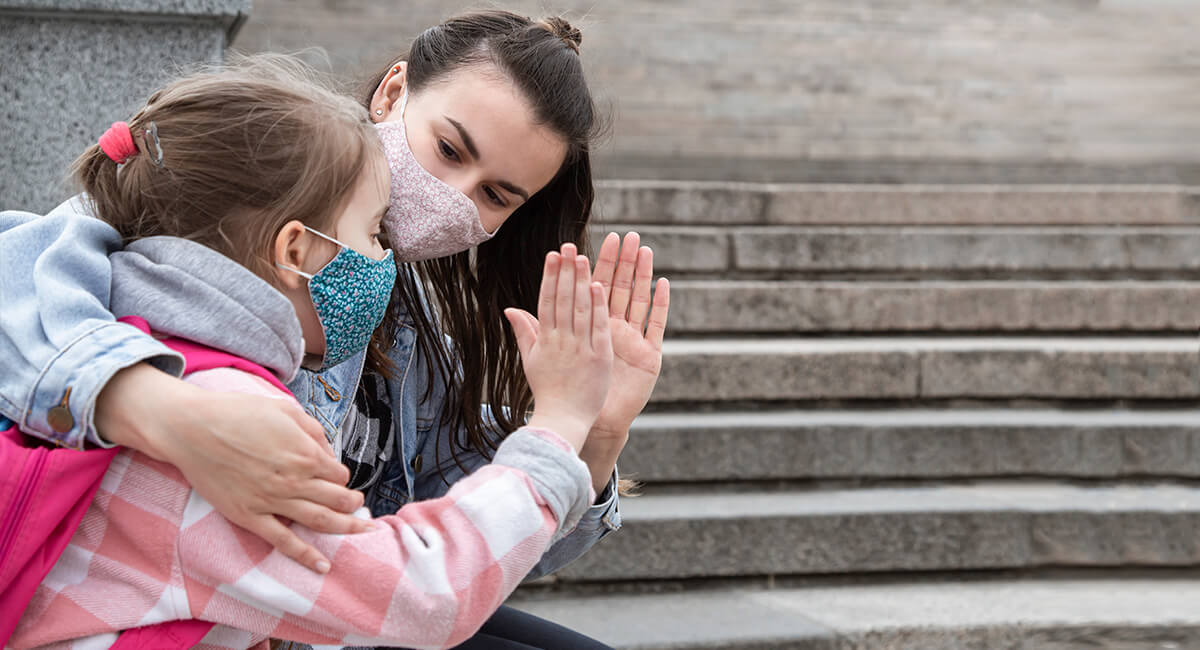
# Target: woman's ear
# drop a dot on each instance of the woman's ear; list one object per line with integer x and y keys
{"x": 290, "y": 250}
{"x": 389, "y": 92}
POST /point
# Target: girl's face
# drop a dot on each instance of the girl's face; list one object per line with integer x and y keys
{"x": 357, "y": 226}
{"x": 475, "y": 132}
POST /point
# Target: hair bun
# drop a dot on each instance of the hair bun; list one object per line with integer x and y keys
{"x": 561, "y": 28}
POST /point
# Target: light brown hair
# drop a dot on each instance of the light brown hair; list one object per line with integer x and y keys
{"x": 246, "y": 147}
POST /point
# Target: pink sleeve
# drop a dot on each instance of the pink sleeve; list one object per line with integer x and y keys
{"x": 428, "y": 576}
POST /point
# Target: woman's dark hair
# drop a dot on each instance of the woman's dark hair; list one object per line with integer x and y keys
{"x": 469, "y": 291}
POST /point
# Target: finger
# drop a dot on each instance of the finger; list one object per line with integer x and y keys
{"x": 522, "y": 330}
{"x": 622, "y": 286}
{"x": 322, "y": 519}
{"x": 583, "y": 299}
{"x": 606, "y": 261}
{"x": 564, "y": 301}
{"x": 600, "y": 334}
{"x": 549, "y": 286}
{"x": 639, "y": 302}
{"x": 338, "y": 499}
{"x": 288, "y": 543}
{"x": 328, "y": 466}
{"x": 658, "y": 314}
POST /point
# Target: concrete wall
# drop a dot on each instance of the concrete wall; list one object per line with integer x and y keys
{"x": 70, "y": 68}
{"x": 828, "y": 90}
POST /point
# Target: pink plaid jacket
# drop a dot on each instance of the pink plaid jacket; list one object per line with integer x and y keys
{"x": 150, "y": 550}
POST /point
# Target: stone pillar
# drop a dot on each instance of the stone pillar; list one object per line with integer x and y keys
{"x": 69, "y": 68}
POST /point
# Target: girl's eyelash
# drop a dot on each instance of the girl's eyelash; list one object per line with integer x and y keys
{"x": 447, "y": 150}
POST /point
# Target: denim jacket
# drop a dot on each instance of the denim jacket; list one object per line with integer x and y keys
{"x": 59, "y": 345}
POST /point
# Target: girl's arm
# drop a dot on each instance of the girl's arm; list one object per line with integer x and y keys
{"x": 70, "y": 374}
{"x": 434, "y": 572}
{"x": 602, "y": 517}
{"x": 428, "y": 576}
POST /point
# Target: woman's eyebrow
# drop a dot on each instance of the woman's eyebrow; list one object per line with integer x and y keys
{"x": 470, "y": 145}
{"x": 466, "y": 137}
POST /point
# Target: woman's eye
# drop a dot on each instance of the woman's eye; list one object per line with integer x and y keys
{"x": 447, "y": 150}
{"x": 495, "y": 198}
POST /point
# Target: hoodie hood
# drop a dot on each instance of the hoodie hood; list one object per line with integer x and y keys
{"x": 188, "y": 290}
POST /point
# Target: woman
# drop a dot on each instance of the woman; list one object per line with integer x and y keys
{"x": 71, "y": 374}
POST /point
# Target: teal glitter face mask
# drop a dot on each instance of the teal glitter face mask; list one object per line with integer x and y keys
{"x": 351, "y": 295}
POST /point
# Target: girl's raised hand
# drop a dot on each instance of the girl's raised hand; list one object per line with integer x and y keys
{"x": 567, "y": 351}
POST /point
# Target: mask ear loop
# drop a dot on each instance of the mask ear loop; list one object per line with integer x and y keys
{"x": 321, "y": 235}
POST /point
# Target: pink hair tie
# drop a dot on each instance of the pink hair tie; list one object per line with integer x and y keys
{"x": 117, "y": 143}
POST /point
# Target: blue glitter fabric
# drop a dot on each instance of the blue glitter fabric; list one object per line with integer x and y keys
{"x": 351, "y": 295}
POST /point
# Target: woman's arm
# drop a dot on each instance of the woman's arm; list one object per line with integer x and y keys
{"x": 59, "y": 345}
{"x": 70, "y": 374}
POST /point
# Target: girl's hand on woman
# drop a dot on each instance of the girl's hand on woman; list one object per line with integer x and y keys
{"x": 567, "y": 350}
{"x": 626, "y": 270}
{"x": 253, "y": 459}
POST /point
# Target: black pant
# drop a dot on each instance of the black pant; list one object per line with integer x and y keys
{"x": 512, "y": 629}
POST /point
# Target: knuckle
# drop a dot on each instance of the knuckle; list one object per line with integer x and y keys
{"x": 284, "y": 541}
{"x": 321, "y": 521}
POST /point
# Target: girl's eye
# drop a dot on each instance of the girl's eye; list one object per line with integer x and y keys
{"x": 447, "y": 150}
{"x": 493, "y": 197}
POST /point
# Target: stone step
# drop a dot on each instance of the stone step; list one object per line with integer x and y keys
{"x": 745, "y": 307}
{"x": 943, "y": 368}
{"x": 707, "y": 533}
{"x": 723, "y": 204}
{"x": 1129, "y": 613}
{"x": 986, "y": 252}
{"x": 912, "y": 444}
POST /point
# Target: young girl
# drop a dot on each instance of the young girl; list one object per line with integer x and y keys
{"x": 251, "y": 201}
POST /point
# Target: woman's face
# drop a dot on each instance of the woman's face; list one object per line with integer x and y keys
{"x": 474, "y": 131}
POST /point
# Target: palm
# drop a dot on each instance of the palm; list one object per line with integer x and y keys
{"x": 636, "y": 364}
{"x": 626, "y": 271}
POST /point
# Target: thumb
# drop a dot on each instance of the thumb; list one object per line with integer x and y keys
{"x": 524, "y": 327}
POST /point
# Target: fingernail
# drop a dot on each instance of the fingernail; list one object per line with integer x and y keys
{"x": 323, "y": 566}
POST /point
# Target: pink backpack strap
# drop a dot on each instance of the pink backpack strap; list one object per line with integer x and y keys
{"x": 198, "y": 357}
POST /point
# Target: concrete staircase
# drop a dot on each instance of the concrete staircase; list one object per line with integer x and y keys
{"x": 909, "y": 417}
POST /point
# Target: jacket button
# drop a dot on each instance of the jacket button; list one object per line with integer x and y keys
{"x": 417, "y": 463}
{"x": 59, "y": 418}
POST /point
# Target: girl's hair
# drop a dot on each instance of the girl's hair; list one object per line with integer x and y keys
{"x": 246, "y": 147}
{"x": 470, "y": 291}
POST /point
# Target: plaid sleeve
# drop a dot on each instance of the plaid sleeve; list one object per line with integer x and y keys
{"x": 428, "y": 576}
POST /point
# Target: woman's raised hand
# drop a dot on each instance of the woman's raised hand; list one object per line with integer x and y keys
{"x": 567, "y": 351}
{"x": 626, "y": 270}
{"x": 251, "y": 458}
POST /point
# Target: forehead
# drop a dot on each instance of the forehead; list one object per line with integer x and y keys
{"x": 501, "y": 122}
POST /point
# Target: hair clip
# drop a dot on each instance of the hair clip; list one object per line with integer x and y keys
{"x": 150, "y": 136}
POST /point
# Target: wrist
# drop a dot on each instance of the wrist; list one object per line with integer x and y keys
{"x": 611, "y": 432}
{"x": 569, "y": 427}
{"x": 131, "y": 404}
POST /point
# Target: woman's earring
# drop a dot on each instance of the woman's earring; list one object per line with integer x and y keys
{"x": 379, "y": 111}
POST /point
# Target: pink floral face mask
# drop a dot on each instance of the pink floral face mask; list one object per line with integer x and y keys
{"x": 426, "y": 218}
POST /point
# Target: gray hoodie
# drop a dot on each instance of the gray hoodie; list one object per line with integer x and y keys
{"x": 188, "y": 290}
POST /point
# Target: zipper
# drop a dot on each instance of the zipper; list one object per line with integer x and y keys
{"x": 30, "y": 477}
